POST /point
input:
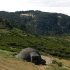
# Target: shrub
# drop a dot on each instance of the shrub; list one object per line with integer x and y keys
{"x": 58, "y": 63}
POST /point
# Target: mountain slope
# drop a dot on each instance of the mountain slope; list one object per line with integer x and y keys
{"x": 8, "y": 62}
{"x": 15, "y": 40}
{"x": 37, "y": 22}
{"x": 18, "y": 31}
{"x": 5, "y": 24}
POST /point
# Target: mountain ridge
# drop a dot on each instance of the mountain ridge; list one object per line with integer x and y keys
{"x": 37, "y": 22}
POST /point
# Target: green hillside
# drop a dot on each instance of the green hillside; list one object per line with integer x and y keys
{"x": 37, "y": 22}
{"x": 49, "y": 33}
{"x": 9, "y": 62}
{"x": 14, "y": 40}
{"x": 4, "y": 24}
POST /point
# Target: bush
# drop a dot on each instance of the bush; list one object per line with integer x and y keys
{"x": 58, "y": 63}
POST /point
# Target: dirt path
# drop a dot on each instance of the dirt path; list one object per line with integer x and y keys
{"x": 47, "y": 59}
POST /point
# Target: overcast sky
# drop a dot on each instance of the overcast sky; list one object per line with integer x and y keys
{"x": 59, "y": 6}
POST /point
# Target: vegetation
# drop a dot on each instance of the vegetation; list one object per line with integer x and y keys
{"x": 23, "y": 29}
{"x": 48, "y": 33}
{"x": 8, "y": 61}
{"x": 14, "y": 40}
{"x": 39, "y": 23}
{"x": 6, "y": 54}
{"x": 58, "y": 63}
{"x": 56, "y": 68}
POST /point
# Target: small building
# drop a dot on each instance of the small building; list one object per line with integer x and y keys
{"x": 30, "y": 54}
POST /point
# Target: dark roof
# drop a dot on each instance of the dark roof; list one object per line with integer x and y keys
{"x": 26, "y": 53}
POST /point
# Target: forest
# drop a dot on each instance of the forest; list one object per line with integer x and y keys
{"x": 39, "y": 23}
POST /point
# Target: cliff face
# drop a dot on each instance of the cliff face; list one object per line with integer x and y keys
{"x": 27, "y": 15}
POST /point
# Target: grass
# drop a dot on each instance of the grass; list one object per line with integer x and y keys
{"x": 58, "y": 63}
{"x": 56, "y": 68}
{"x": 15, "y": 40}
{"x": 9, "y": 62}
{"x": 6, "y": 53}
{"x": 45, "y": 45}
{"x": 2, "y": 26}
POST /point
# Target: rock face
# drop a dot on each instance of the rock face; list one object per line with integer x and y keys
{"x": 29, "y": 54}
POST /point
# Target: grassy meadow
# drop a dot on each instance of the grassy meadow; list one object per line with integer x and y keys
{"x": 9, "y": 62}
{"x": 14, "y": 40}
